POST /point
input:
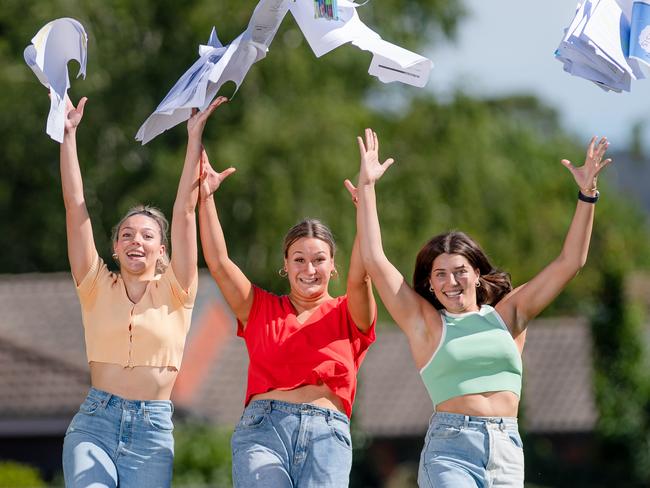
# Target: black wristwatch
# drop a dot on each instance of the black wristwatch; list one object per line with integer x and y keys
{"x": 588, "y": 199}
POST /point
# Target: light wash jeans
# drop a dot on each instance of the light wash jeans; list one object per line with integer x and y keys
{"x": 281, "y": 445}
{"x": 462, "y": 451}
{"x": 116, "y": 442}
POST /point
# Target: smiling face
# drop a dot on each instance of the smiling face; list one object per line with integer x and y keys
{"x": 309, "y": 264}
{"x": 454, "y": 283}
{"x": 139, "y": 245}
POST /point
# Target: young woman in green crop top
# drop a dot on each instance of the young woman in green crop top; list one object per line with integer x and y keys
{"x": 466, "y": 327}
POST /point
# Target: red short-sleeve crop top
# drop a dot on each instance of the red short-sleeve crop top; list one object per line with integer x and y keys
{"x": 285, "y": 354}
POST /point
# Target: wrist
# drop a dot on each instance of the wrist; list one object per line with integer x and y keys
{"x": 591, "y": 196}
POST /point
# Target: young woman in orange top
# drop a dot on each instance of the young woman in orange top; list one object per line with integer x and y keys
{"x": 135, "y": 324}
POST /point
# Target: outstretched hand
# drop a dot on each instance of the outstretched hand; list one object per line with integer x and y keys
{"x": 73, "y": 115}
{"x": 371, "y": 169}
{"x": 196, "y": 123}
{"x": 586, "y": 176}
{"x": 210, "y": 180}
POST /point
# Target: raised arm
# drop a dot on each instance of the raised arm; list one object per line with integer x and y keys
{"x": 361, "y": 301}
{"x": 81, "y": 245}
{"x": 527, "y": 301}
{"x": 183, "y": 229}
{"x": 235, "y": 287}
{"x": 402, "y": 302}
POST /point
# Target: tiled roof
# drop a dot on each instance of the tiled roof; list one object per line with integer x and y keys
{"x": 558, "y": 388}
{"x": 41, "y": 347}
{"x": 37, "y": 387}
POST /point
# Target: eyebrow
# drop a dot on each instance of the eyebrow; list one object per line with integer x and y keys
{"x": 462, "y": 266}
{"x": 133, "y": 228}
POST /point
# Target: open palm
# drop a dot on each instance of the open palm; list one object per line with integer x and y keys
{"x": 371, "y": 169}
{"x": 586, "y": 176}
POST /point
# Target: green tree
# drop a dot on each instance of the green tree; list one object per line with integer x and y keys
{"x": 202, "y": 455}
{"x": 17, "y": 475}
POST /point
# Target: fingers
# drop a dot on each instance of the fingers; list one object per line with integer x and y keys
{"x": 226, "y": 173}
{"x": 590, "y": 147}
{"x": 362, "y": 147}
{"x": 350, "y": 188}
{"x": 81, "y": 105}
{"x": 213, "y": 106}
{"x": 568, "y": 165}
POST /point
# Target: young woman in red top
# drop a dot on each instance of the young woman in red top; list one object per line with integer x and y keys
{"x": 305, "y": 349}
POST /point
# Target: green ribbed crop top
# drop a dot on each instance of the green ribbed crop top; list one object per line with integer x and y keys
{"x": 476, "y": 354}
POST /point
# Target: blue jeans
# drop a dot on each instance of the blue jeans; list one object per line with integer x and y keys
{"x": 116, "y": 442}
{"x": 278, "y": 444}
{"x": 462, "y": 451}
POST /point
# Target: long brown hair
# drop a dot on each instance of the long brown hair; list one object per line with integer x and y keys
{"x": 494, "y": 284}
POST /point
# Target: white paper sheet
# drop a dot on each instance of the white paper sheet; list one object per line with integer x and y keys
{"x": 216, "y": 65}
{"x": 53, "y": 46}
{"x": 389, "y": 63}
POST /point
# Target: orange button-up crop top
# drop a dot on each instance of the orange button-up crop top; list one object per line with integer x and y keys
{"x": 148, "y": 333}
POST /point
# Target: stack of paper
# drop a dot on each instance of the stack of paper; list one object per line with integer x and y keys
{"x": 52, "y": 47}
{"x": 604, "y": 42}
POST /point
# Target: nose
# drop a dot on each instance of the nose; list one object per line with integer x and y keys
{"x": 452, "y": 279}
{"x": 310, "y": 267}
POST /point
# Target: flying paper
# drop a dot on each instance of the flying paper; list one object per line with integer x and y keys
{"x": 389, "y": 63}
{"x": 605, "y": 42}
{"x": 217, "y": 64}
{"x": 48, "y": 55}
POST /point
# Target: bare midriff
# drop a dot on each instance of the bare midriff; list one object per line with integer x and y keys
{"x": 489, "y": 404}
{"x": 319, "y": 395}
{"x": 137, "y": 383}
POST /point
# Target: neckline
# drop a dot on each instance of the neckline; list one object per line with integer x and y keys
{"x": 481, "y": 311}
{"x": 316, "y": 309}
{"x": 126, "y": 291}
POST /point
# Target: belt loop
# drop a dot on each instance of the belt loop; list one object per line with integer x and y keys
{"x": 269, "y": 406}
{"x": 105, "y": 400}
{"x": 434, "y": 409}
{"x": 143, "y": 406}
{"x": 466, "y": 421}
{"x": 502, "y": 425}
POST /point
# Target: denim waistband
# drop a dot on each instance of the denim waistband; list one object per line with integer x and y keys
{"x": 109, "y": 399}
{"x": 459, "y": 420}
{"x": 297, "y": 409}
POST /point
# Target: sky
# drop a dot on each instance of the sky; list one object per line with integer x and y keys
{"x": 507, "y": 46}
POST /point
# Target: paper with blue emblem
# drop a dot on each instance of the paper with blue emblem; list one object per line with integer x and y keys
{"x": 605, "y": 42}
{"x": 640, "y": 33}
{"x": 53, "y": 46}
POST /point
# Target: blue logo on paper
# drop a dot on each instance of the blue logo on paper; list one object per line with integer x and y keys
{"x": 640, "y": 32}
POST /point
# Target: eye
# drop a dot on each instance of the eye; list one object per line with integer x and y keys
{"x": 299, "y": 260}
{"x": 148, "y": 236}
{"x": 462, "y": 271}
{"x": 126, "y": 234}
{"x": 440, "y": 274}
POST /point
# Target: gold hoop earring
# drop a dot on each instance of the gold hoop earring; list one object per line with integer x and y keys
{"x": 431, "y": 289}
{"x": 478, "y": 282}
{"x": 282, "y": 272}
{"x": 114, "y": 256}
{"x": 334, "y": 273}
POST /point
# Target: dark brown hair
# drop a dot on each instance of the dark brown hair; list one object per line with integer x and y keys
{"x": 155, "y": 214}
{"x": 309, "y": 228}
{"x": 495, "y": 284}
